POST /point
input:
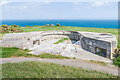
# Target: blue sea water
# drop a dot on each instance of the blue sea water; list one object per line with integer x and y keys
{"x": 73, "y": 23}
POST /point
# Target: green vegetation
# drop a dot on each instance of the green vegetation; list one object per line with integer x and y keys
{"x": 61, "y": 40}
{"x": 10, "y": 29}
{"x": 74, "y": 57}
{"x": 47, "y": 70}
{"x": 51, "y": 56}
{"x": 116, "y": 61}
{"x": 1, "y": 35}
{"x": 47, "y": 28}
{"x": 99, "y": 62}
{"x": 68, "y": 28}
{"x": 15, "y": 52}
{"x": 12, "y": 52}
{"x": 27, "y": 50}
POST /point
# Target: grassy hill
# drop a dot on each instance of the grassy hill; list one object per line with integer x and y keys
{"x": 47, "y": 70}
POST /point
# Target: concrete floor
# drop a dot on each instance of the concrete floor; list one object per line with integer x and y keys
{"x": 68, "y": 49}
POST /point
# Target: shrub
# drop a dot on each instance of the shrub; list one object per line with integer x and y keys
{"x": 36, "y": 25}
{"x": 116, "y": 61}
{"x": 118, "y": 43}
{"x": 19, "y": 26}
{"x": 5, "y": 28}
{"x": 14, "y": 25}
{"x": 12, "y": 28}
{"x": 58, "y": 24}
{"x": 27, "y": 26}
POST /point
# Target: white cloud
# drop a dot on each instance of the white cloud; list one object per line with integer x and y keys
{"x": 3, "y": 2}
{"x": 47, "y": 2}
{"x": 100, "y": 3}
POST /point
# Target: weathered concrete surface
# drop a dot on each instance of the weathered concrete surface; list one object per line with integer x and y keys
{"x": 102, "y": 43}
{"x": 68, "y": 49}
{"x": 110, "y": 69}
{"x": 99, "y": 43}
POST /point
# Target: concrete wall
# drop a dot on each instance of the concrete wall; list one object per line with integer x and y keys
{"x": 60, "y": 34}
{"x": 90, "y": 44}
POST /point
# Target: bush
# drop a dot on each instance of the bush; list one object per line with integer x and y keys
{"x": 5, "y": 28}
{"x": 116, "y": 61}
{"x": 12, "y": 28}
{"x": 118, "y": 43}
{"x": 27, "y": 26}
{"x": 14, "y": 25}
{"x": 58, "y": 24}
{"x": 36, "y": 25}
{"x": 19, "y": 26}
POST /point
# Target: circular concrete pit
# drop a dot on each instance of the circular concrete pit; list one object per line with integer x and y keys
{"x": 82, "y": 45}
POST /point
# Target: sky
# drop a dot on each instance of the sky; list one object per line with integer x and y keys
{"x": 58, "y": 10}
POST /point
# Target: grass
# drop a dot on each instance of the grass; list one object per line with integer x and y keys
{"x": 99, "y": 62}
{"x": 1, "y": 35}
{"x": 103, "y": 30}
{"x": 47, "y": 70}
{"x": 43, "y": 28}
{"x": 27, "y": 50}
{"x": 51, "y": 56}
{"x": 99, "y": 30}
{"x": 61, "y": 40}
{"x": 16, "y": 52}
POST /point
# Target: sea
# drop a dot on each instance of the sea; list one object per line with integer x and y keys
{"x": 72, "y": 23}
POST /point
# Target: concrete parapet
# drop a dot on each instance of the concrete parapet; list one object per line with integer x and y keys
{"x": 102, "y": 43}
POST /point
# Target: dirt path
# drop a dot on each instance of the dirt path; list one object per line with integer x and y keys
{"x": 68, "y": 62}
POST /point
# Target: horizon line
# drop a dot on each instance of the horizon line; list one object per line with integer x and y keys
{"x": 58, "y": 19}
